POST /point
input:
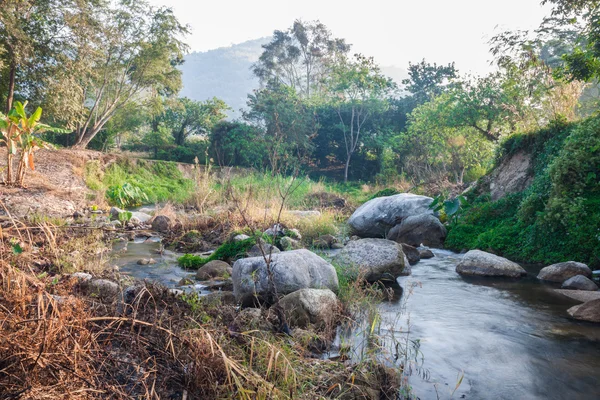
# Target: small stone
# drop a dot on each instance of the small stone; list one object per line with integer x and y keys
{"x": 146, "y": 261}
{"x": 214, "y": 269}
{"x": 287, "y": 243}
{"x": 240, "y": 237}
{"x": 185, "y": 282}
{"x": 562, "y": 271}
{"x": 267, "y": 248}
{"x": 411, "y": 253}
{"x": 103, "y": 289}
{"x": 426, "y": 253}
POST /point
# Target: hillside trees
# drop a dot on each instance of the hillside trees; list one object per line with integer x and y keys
{"x": 300, "y": 57}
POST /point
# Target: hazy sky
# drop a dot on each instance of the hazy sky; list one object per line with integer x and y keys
{"x": 394, "y": 32}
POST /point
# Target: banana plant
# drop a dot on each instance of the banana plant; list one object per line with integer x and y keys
{"x": 23, "y": 131}
{"x": 9, "y": 126}
{"x": 451, "y": 207}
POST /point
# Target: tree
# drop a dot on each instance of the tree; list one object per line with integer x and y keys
{"x": 237, "y": 144}
{"x": 157, "y": 139}
{"x": 36, "y": 38}
{"x": 288, "y": 123}
{"x": 186, "y": 117}
{"x": 427, "y": 81}
{"x": 430, "y": 146}
{"x": 136, "y": 51}
{"x": 300, "y": 57}
{"x": 358, "y": 92}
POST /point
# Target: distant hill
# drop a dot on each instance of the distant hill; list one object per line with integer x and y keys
{"x": 225, "y": 73}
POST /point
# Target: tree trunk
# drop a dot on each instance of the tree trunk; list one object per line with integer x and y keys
{"x": 346, "y": 168}
{"x": 11, "y": 86}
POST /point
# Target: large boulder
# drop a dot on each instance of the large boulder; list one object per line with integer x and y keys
{"x": 292, "y": 270}
{"x": 377, "y": 216}
{"x": 419, "y": 229}
{"x": 214, "y": 269}
{"x": 480, "y": 263}
{"x": 306, "y": 307}
{"x": 375, "y": 259}
{"x": 562, "y": 271}
{"x": 161, "y": 223}
{"x": 579, "y": 282}
{"x": 589, "y": 311}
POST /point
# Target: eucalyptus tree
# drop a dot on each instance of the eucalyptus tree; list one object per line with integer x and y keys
{"x": 300, "y": 57}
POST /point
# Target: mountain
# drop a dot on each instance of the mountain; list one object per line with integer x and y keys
{"x": 225, "y": 73}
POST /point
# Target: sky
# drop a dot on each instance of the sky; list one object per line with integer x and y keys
{"x": 393, "y": 31}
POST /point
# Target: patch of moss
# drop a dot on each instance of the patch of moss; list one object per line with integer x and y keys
{"x": 231, "y": 250}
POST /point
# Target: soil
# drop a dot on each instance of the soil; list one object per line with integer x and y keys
{"x": 56, "y": 188}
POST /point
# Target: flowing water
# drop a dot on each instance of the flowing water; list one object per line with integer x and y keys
{"x": 511, "y": 339}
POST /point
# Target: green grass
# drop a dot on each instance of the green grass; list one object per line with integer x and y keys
{"x": 159, "y": 180}
{"x": 227, "y": 251}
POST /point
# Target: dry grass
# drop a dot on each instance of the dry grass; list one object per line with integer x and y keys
{"x": 58, "y": 342}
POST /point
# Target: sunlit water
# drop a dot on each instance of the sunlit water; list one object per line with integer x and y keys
{"x": 512, "y": 339}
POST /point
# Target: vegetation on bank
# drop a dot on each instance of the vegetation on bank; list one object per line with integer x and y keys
{"x": 558, "y": 217}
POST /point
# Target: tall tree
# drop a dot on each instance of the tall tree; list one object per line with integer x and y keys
{"x": 427, "y": 81}
{"x": 137, "y": 51}
{"x": 300, "y": 57}
{"x": 359, "y": 91}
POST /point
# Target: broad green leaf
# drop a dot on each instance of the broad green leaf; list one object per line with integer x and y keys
{"x": 451, "y": 206}
{"x": 35, "y": 117}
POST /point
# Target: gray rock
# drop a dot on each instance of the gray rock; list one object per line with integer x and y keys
{"x": 426, "y": 253}
{"x": 419, "y": 229}
{"x": 324, "y": 242}
{"x": 377, "y": 216}
{"x": 306, "y": 307}
{"x": 292, "y": 270}
{"x": 252, "y": 319}
{"x": 161, "y": 223}
{"x": 240, "y": 237}
{"x": 411, "y": 253}
{"x": 275, "y": 230}
{"x": 146, "y": 261}
{"x": 589, "y": 311}
{"x": 337, "y": 246}
{"x": 134, "y": 221}
{"x": 116, "y": 223}
{"x": 82, "y": 276}
{"x": 579, "y": 282}
{"x": 562, "y": 271}
{"x": 376, "y": 259}
{"x": 142, "y": 217}
{"x": 266, "y": 247}
{"x": 480, "y": 263}
{"x": 293, "y": 233}
{"x": 579, "y": 295}
{"x": 115, "y": 211}
{"x": 214, "y": 269}
{"x": 102, "y": 289}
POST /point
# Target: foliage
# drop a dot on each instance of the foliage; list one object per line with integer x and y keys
{"x": 427, "y": 81}
{"x": 22, "y": 132}
{"x": 126, "y": 195}
{"x": 385, "y": 192}
{"x": 556, "y": 218}
{"x": 228, "y": 251}
{"x": 300, "y": 58}
{"x": 237, "y": 143}
{"x": 159, "y": 180}
{"x": 452, "y": 207}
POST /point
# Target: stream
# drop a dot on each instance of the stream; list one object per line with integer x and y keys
{"x": 510, "y": 338}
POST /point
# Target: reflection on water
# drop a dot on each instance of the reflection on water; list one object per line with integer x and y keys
{"x": 512, "y": 338}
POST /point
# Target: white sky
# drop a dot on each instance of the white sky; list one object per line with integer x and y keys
{"x": 393, "y": 31}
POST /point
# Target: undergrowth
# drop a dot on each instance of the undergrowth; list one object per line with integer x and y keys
{"x": 558, "y": 217}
